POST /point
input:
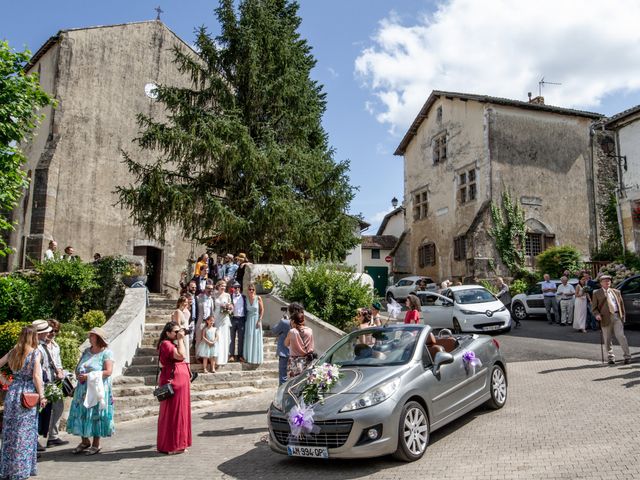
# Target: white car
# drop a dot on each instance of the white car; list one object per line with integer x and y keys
{"x": 406, "y": 286}
{"x": 465, "y": 308}
{"x": 531, "y": 302}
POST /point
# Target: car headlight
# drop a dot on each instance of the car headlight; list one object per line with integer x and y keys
{"x": 279, "y": 398}
{"x": 469, "y": 312}
{"x": 501, "y": 309}
{"x": 374, "y": 396}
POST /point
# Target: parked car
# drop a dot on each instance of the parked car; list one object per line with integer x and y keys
{"x": 465, "y": 308}
{"x": 408, "y": 285}
{"x": 392, "y": 394}
{"x": 531, "y": 302}
{"x": 630, "y": 290}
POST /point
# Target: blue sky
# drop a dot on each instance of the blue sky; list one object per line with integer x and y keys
{"x": 378, "y": 60}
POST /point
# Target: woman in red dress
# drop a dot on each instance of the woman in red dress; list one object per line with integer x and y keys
{"x": 174, "y": 421}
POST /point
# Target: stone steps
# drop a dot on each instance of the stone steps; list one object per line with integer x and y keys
{"x": 146, "y": 370}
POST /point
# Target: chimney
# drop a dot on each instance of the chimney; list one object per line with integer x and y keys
{"x": 539, "y": 100}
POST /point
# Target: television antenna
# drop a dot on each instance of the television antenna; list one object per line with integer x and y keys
{"x": 542, "y": 83}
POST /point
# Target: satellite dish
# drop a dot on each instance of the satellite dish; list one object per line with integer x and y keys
{"x": 151, "y": 90}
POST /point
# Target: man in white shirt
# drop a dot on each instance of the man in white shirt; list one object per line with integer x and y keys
{"x": 51, "y": 252}
{"x": 549, "y": 297}
{"x": 238, "y": 319}
{"x": 565, "y": 293}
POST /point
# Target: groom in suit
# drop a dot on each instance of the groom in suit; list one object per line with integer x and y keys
{"x": 608, "y": 309}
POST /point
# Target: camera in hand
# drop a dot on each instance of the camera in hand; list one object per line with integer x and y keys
{"x": 189, "y": 329}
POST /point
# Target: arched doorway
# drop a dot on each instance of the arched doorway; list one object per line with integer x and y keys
{"x": 153, "y": 257}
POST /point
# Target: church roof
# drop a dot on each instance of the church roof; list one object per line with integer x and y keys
{"x": 54, "y": 39}
{"x": 436, "y": 94}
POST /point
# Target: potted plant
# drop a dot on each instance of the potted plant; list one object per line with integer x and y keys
{"x": 134, "y": 273}
{"x": 264, "y": 284}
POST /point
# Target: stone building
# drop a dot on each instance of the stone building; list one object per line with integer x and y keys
{"x": 463, "y": 151}
{"x": 624, "y": 148}
{"x": 101, "y": 77}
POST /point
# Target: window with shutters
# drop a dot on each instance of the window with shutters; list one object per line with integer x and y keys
{"x": 460, "y": 248}
{"x": 440, "y": 148}
{"x": 427, "y": 255}
{"x": 375, "y": 253}
{"x": 420, "y": 204}
{"x": 533, "y": 244}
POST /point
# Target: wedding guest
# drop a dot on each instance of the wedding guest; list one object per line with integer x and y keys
{"x": 375, "y": 313}
{"x": 300, "y": 343}
{"x": 365, "y": 320}
{"x": 204, "y": 308}
{"x": 238, "y": 321}
{"x": 182, "y": 316}
{"x": 253, "y": 342}
{"x": 504, "y": 295}
{"x": 281, "y": 329}
{"x": 580, "y": 306}
{"x": 18, "y": 458}
{"x": 222, "y": 310}
{"x": 52, "y": 252}
{"x": 57, "y": 372}
{"x": 242, "y": 261}
{"x": 174, "y": 420}
{"x": 207, "y": 349}
{"x": 203, "y": 262}
{"x": 413, "y": 314}
{"x": 96, "y": 419}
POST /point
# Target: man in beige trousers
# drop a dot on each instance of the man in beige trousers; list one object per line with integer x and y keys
{"x": 608, "y": 309}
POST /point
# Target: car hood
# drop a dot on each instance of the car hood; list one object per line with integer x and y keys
{"x": 481, "y": 307}
{"x": 354, "y": 381}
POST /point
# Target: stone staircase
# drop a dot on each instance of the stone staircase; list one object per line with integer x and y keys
{"x": 133, "y": 391}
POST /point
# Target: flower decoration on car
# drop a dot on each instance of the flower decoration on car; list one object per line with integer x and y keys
{"x": 471, "y": 362}
{"x": 319, "y": 382}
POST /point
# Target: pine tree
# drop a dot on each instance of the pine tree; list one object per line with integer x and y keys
{"x": 243, "y": 161}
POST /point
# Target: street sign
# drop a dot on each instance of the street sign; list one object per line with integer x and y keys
{"x": 388, "y": 258}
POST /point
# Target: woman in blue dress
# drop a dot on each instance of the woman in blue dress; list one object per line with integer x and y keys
{"x": 96, "y": 420}
{"x": 253, "y": 345}
{"x": 20, "y": 425}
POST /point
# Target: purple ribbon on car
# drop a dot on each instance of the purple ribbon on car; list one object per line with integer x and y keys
{"x": 471, "y": 361}
{"x": 301, "y": 420}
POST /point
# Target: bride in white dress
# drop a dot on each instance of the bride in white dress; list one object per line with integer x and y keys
{"x": 222, "y": 321}
{"x": 580, "y": 307}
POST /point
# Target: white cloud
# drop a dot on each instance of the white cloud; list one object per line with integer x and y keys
{"x": 503, "y": 48}
{"x": 333, "y": 73}
{"x": 378, "y": 217}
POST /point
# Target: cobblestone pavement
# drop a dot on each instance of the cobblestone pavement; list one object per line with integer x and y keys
{"x": 564, "y": 419}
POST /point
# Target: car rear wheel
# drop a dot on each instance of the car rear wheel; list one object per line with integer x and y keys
{"x": 413, "y": 433}
{"x": 456, "y": 326}
{"x": 498, "y": 388}
{"x": 390, "y": 297}
{"x": 519, "y": 311}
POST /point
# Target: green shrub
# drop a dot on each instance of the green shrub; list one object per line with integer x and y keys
{"x": 91, "y": 319}
{"x": 556, "y": 260}
{"x": 9, "y": 333}
{"x": 74, "y": 330}
{"x": 328, "y": 290}
{"x": 489, "y": 285}
{"x": 19, "y": 299}
{"x": 109, "y": 290}
{"x": 69, "y": 349}
{"x": 65, "y": 286}
{"x": 518, "y": 286}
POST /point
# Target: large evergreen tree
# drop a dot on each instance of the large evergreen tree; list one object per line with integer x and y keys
{"x": 243, "y": 160}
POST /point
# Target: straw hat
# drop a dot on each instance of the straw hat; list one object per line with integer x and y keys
{"x": 42, "y": 326}
{"x": 100, "y": 333}
{"x": 242, "y": 257}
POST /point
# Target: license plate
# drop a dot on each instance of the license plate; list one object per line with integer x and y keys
{"x": 492, "y": 327}
{"x": 313, "y": 452}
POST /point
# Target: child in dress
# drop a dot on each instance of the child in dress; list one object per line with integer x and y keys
{"x": 207, "y": 346}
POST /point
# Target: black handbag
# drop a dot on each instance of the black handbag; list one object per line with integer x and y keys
{"x": 166, "y": 391}
{"x": 67, "y": 386}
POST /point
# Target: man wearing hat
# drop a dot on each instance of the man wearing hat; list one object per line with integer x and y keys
{"x": 375, "y": 313}
{"x": 238, "y": 320}
{"x": 242, "y": 262}
{"x": 608, "y": 309}
{"x": 230, "y": 268}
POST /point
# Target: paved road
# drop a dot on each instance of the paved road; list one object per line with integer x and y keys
{"x": 566, "y": 418}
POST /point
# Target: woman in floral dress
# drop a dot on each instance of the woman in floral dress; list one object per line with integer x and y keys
{"x": 222, "y": 303}
{"x": 20, "y": 425}
{"x": 96, "y": 421}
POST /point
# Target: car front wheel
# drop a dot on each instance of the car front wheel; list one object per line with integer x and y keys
{"x": 519, "y": 311}
{"x": 413, "y": 433}
{"x": 498, "y": 388}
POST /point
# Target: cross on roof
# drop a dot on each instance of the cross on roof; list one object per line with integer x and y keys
{"x": 159, "y": 11}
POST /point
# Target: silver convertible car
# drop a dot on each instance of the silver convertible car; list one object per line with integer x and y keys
{"x": 399, "y": 383}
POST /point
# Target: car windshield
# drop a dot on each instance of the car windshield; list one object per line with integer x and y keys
{"x": 473, "y": 295}
{"x": 375, "y": 347}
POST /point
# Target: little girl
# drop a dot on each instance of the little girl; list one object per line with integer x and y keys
{"x": 207, "y": 349}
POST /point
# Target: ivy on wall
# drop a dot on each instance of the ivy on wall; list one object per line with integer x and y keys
{"x": 508, "y": 231}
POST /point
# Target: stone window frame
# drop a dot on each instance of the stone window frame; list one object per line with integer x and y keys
{"x": 420, "y": 199}
{"x": 460, "y": 248}
{"x": 427, "y": 254}
{"x": 467, "y": 179}
{"x": 537, "y": 242}
{"x": 439, "y": 148}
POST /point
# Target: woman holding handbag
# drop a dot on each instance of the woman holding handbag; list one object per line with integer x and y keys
{"x": 26, "y": 392}
{"x": 174, "y": 420}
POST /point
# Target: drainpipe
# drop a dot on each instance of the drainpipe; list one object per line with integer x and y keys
{"x": 620, "y": 193}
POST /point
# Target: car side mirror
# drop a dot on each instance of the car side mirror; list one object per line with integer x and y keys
{"x": 442, "y": 358}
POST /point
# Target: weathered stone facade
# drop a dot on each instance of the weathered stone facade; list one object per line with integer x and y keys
{"x": 98, "y": 76}
{"x": 463, "y": 151}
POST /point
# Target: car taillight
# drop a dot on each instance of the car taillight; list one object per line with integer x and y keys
{"x": 496, "y": 343}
